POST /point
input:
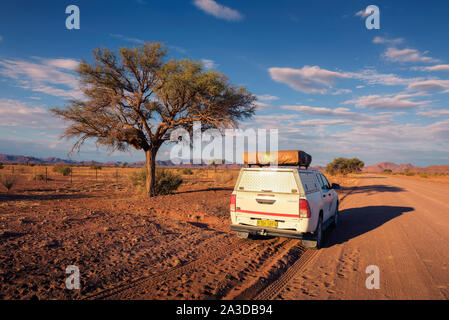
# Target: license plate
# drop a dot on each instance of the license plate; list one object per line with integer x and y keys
{"x": 267, "y": 223}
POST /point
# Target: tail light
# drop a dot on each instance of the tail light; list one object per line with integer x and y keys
{"x": 304, "y": 208}
{"x": 233, "y": 202}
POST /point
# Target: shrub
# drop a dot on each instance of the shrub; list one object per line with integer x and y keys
{"x": 1, "y": 165}
{"x": 344, "y": 166}
{"x": 124, "y": 164}
{"x": 8, "y": 180}
{"x": 62, "y": 169}
{"x": 388, "y": 171}
{"x": 407, "y": 172}
{"x": 423, "y": 175}
{"x": 187, "y": 171}
{"x": 166, "y": 180}
{"x": 95, "y": 167}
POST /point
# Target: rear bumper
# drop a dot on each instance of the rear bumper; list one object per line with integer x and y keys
{"x": 265, "y": 231}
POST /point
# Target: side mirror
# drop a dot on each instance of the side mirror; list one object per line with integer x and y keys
{"x": 335, "y": 186}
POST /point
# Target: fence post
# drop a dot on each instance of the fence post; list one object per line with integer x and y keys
{"x": 46, "y": 174}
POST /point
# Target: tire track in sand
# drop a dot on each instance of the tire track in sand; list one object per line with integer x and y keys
{"x": 150, "y": 283}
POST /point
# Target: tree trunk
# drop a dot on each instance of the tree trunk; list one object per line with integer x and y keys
{"x": 151, "y": 172}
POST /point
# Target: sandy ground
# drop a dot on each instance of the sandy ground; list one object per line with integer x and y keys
{"x": 179, "y": 246}
{"x": 401, "y": 226}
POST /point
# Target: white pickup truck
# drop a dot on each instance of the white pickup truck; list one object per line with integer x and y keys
{"x": 285, "y": 202}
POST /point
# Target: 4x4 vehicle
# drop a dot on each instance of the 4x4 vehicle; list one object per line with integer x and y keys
{"x": 284, "y": 201}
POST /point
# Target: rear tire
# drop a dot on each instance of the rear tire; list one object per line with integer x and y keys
{"x": 336, "y": 217}
{"x": 318, "y": 241}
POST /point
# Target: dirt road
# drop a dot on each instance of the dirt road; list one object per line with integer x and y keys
{"x": 401, "y": 226}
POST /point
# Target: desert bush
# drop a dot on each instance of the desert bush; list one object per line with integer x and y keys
{"x": 388, "y": 171}
{"x": 344, "y": 166}
{"x": 95, "y": 167}
{"x": 1, "y": 165}
{"x": 187, "y": 171}
{"x": 62, "y": 169}
{"x": 407, "y": 172}
{"x": 8, "y": 180}
{"x": 124, "y": 164}
{"x": 166, "y": 180}
{"x": 423, "y": 175}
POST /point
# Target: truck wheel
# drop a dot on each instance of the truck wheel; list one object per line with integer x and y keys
{"x": 243, "y": 235}
{"x": 317, "y": 242}
{"x": 336, "y": 217}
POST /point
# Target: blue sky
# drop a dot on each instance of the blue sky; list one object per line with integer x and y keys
{"x": 331, "y": 86}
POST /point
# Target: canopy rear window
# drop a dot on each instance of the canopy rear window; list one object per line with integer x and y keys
{"x": 270, "y": 181}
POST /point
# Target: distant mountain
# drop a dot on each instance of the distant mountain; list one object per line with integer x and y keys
{"x": 6, "y": 158}
{"x": 401, "y": 167}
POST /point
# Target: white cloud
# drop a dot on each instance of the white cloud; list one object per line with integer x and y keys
{"x": 438, "y": 67}
{"x": 434, "y": 113}
{"x": 128, "y": 39}
{"x": 315, "y": 80}
{"x": 266, "y": 97}
{"x": 43, "y": 77}
{"x": 261, "y": 104}
{"x": 406, "y": 55}
{"x": 381, "y": 40}
{"x": 341, "y": 91}
{"x": 309, "y": 79}
{"x": 318, "y": 111}
{"x": 389, "y": 102}
{"x": 15, "y": 113}
{"x": 217, "y": 10}
{"x": 430, "y": 85}
{"x": 69, "y": 64}
{"x": 348, "y": 116}
{"x": 389, "y": 79}
{"x": 362, "y": 14}
{"x": 209, "y": 64}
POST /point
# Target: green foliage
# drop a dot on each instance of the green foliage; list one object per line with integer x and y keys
{"x": 124, "y": 164}
{"x": 136, "y": 97}
{"x": 62, "y": 169}
{"x": 95, "y": 167}
{"x": 166, "y": 181}
{"x": 8, "y": 180}
{"x": 1, "y": 165}
{"x": 187, "y": 171}
{"x": 389, "y": 171}
{"x": 344, "y": 166}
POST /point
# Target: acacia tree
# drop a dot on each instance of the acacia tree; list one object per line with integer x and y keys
{"x": 344, "y": 166}
{"x": 135, "y": 98}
